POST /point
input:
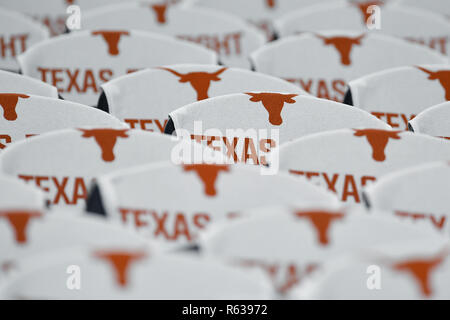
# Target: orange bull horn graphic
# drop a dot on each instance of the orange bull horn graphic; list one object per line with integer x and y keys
{"x": 200, "y": 81}
{"x": 208, "y": 174}
{"x": 343, "y": 45}
{"x": 378, "y": 140}
{"x": 8, "y": 102}
{"x": 112, "y": 39}
{"x": 19, "y": 221}
{"x": 443, "y": 76}
{"x": 421, "y": 270}
{"x": 270, "y": 3}
{"x": 106, "y": 140}
{"x": 273, "y": 103}
{"x": 160, "y": 11}
{"x": 321, "y": 220}
{"x": 121, "y": 262}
